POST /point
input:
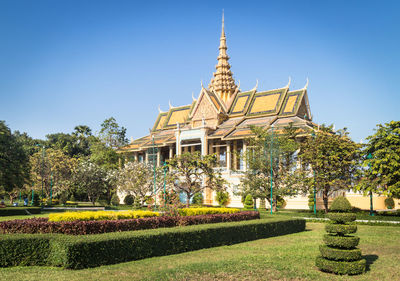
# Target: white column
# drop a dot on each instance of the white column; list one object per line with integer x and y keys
{"x": 171, "y": 152}
{"x": 135, "y": 156}
{"x": 228, "y": 155}
{"x": 235, "y": 150}
{"x": 146, "y": 157}
{"x": 158, "y": 156}
{"x": 244, "y": 156}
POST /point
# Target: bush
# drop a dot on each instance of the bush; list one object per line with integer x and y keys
{"x": 222, "y": 198}
{"x": 42, "y": 225}
{"x": 19, "y": 211}
{"x": 90, "y": 251}
{"x": 197, "y": 199}
{"x": 341, "y": 267}
{"x": 339, "y": 254}
{"x": 63, "y": 198}
{"x": 115, "y": 200}
{"x": 280, "y": 202}
{"x": 389, "y": 203}
{"x": 341, "y": 228}
{"x": 248, "y": 202}
{"x": 340, "y": 204}
{"x": 101, "y": 215}
{"x": 343, "y": 242}
{"x": 311, "y": 200}
{"x": 128, "y": 200}
{"x": 36, "y": 199}
{"x": 206, "y": 211}
{"x": 342, "y": 217}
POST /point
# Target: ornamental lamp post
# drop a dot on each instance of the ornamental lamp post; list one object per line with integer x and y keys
{"x": 315, "y": 184}
{"x": 371, "y": 209}
{"x": 272, "y": 142}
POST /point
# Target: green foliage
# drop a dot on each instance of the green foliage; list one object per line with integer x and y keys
{"x": 276, "y": 151}
{"x": 340, "y": 204}
{"x": 129, "y": 199}
{"x": 341, "y": 229}
{"x": 330, "y": 161}
{"x": 197, "y": 199}
{"x": 382, "y": 174}
{"x": 94, "y": 250}
{"x": 343, "y": 242}
{"x": 339, "y": 254}
{"x": 36, "y": 199}
{"x": 137, "y": 204}
{"x": 342, "y": 217}
{"x": 280, "y": 202}
{"x": 19, "y": 211}
{"x": 111, "y": 134}
{"x": 311, "y": 200}
{"x": 189, "y": 171}
{"x": 341, "y": 267}
{"x": 248, "y": 203}
{"x": 222, "y": 198}
{"x": 389, "y": 203}
{"x": 115, "y": 200}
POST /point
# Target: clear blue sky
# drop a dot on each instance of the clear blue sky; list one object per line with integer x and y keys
{"x": 65, "y": 63}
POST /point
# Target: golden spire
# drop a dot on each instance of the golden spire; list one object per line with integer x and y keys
{"x": 223, "y": 83}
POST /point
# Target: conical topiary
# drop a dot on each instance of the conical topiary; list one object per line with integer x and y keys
{"x": 248, "y": 202}
{"x": 340, "y": 254}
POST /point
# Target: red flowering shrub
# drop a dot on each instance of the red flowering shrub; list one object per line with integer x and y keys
{"x": 42, "y": 225}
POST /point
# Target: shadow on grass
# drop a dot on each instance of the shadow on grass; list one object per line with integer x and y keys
{"x": 370, "y": 260}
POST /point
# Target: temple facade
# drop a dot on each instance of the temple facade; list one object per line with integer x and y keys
{"x": 218, "y": 121}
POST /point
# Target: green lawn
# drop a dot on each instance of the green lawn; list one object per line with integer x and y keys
{"x": 289, "y": 257}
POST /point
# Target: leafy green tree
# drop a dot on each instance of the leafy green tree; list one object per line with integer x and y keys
{"x": 282, "y": 149}
{"x": 381, "y": 173}
{"x": 334, "y": 158}
{"x": 222, "y": 198}
{"x": 14, "y": 163}
{"x": 194, "y": 173}
{"x": 111, "y": 134}
{"x": 104, "y": 155}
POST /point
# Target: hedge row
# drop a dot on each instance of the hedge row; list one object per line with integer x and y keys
{"x": 341, "y": 267}
{"x": 42, "y": 225}
{"x": 77, "y": 252}
{"x": 206, "y": 211}
{"x": 101, "y": 215}
{"x": 344, "y": 242}
{"x": 339, "y": 254}
{"x": 19, "y": 211}
{"x": 342, "y": 217}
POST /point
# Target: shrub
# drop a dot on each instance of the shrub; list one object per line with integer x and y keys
{"x": 63, "y": 198}
{"x": 36, "y": 199}
{"x": 197, "y": 199}
{"x": 248, "y": 202}
{"x": 222, "y": 198}
{"x": 100, "y": 215}
{"x": 42, "y": 225}
{"x": 19, "y": 211}
{"x": 344, "y": 242}
{"x": 311, "y": 200}
{"x": 339, "y": 254}
{"x": 341, "y": 228}
{"x": 341, "y": 267}
{"x": 77, "y": 252}
{"x": 340, "y": 204}
{"x": 342, "y": 217}
{"x": 136, "y": 203}
{"x": 115, "y": 200}
{"x": 280, "y": 202}
{"x": 389, "y": 203}
{"x": 128, "y": 200}
{"x": 206, "y": 211}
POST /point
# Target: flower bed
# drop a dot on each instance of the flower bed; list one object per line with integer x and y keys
{"x": 101, "y": 215}
{"x": 43, "y": 225}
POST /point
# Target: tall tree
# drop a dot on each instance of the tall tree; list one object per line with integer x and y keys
{"x": 271, "y": 151}
{"x": 194, "y": 173}
{"x": 333, "y": 157}
{"x": 381, "y": 173}
{"x": 112, "y": 134}
{"x": 14, "y": 163}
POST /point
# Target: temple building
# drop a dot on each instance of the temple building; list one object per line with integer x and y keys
{"x": 219, "y": 121}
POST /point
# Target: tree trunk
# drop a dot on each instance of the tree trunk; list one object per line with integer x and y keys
{"x": 187, "y": 199}
{"x": 325, "y": 199}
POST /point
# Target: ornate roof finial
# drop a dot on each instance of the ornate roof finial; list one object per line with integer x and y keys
{"x": 170, "y": 106}
{"x": 222, "y": 82}
{"x": 306, "y": 85}
{"x": 159, "y": 109}
{"x": 193, "y": 98}
{"x": 255, "y": 87}
{"x": 288, "y": 84}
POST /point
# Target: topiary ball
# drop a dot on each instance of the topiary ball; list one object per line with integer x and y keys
{"x": 340, "y": 204}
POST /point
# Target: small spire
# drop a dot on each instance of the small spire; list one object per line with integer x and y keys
{"x": 223, "y": 24}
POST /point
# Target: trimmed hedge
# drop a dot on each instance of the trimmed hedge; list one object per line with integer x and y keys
{"x": 344, "y": 242}
{"x": 19, "y": 211}
{"x": 339, "y": 254}
{"x": 341, "y": 267}
{"x": 101, "y": 215}
{"x": 42, "y": 225}
{"x": 342, "y": 217}
{"x": 341, "y": 228}
{"x": 206, "y": 211}
{"x": 77, "y": 252}
{"x": 340, "y": 204}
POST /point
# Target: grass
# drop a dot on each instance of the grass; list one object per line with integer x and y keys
{"x": 289, "y": 257}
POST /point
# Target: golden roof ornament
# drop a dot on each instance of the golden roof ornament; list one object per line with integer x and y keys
{"x": 223, "y": 83}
